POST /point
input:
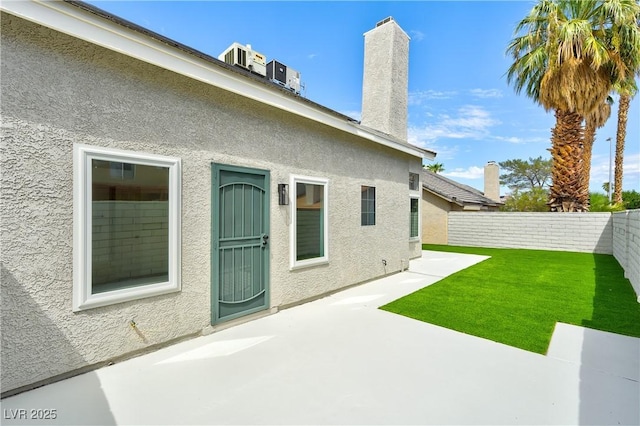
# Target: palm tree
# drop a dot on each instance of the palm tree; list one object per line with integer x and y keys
{"x": 621, "y": 133}
{"x": 562, "y": 62}
{"x": 625, "y": 38}
{"x": 435, "y": 167}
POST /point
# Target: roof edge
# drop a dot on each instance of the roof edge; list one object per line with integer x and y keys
{"x": 459, "y": 202}
{"x": 444, "y": 197}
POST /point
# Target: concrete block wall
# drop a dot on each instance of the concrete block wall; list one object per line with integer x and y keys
{"x": 579, "y": 232}
{"x": 626, "y": 245}
{"x": 130, "y": 239}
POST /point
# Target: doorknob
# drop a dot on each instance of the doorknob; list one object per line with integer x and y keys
{"x": 265, "y": 237}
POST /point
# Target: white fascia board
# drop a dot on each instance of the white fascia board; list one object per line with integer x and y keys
{"x": 84, "y": 25}
{"x": 359, "y": 131}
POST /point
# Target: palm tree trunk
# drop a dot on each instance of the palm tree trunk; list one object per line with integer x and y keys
{"x": 589, "y": 139}
{"x": 621, "y": 134}
{"x": 567, "y": 192}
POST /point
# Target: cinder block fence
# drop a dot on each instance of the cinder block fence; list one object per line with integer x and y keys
{"x": 626, "y": 245}
{"x": 617, "y": 234}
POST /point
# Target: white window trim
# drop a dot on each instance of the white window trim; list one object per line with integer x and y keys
{"x": 82, "y": 226}
{"x": 293, "y": 262}
{"x": 419, "y": 236}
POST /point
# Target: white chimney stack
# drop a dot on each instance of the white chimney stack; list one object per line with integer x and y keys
{"x": 492, "y": 181}
{"x": 385, "y": 85}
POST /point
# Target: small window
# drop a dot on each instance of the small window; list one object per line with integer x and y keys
{"x": 413, "y": 181}
{"x": 415, "y": 218}
{"x": 368, "y": 205}
{"x": 126, "y": 226}
{"x": 309, "y": 245}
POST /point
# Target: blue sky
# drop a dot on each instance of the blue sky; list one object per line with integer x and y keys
{"x": 459, "y": 102}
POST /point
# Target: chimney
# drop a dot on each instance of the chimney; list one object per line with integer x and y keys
{"x": 492, "y": 181}
{"x": 385, "y": 84}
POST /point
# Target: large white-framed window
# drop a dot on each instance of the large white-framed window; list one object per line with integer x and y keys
{"x": 414, "y": 209}
{"x": 310, "y": 221}
{"x": 126, "y": 219}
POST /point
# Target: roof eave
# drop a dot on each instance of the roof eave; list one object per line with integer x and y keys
{"x": 444, "y": 197}
{"x": 458, "y": 202}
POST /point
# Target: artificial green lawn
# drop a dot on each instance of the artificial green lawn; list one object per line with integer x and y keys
{"x": 517, "y": 296}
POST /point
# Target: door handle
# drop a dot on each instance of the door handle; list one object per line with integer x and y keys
{"x": 265, "y": 238}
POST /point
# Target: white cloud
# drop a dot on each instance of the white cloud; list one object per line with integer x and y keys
{"x": 469, "y": 122}
{"x": 472, "y": 172}
{"x": 416, "y": 98}
{"x": 312, "y": 55}
{"x": 519, "y": 141}
{"x": 600, "y": 172}
{"x": 486, "y": 93}
{"x": 512, "y": 139}
{"x": 631, "y": 172}
{"x": 471, "y": 119}
{"x": 417, "y": 35}
{"x": 444, "y": 152}
{"x": 632, "y": 164}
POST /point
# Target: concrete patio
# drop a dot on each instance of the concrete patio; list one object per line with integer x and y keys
{"x": 340, "y": 360}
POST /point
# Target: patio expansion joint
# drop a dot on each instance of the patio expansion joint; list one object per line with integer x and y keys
{"x": 592, "y": 368}
{"x": 425, "y": 274}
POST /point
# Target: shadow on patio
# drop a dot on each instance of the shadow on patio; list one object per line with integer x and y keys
{"x": 604, "y": 356}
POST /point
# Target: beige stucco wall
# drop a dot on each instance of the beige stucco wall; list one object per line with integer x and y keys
{"x": 58, "y": 91}
{"x": 434, "y": 218}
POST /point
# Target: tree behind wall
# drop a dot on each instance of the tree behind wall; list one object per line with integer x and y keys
{"x": 624, "y": 35}
{"x": 567, "y": 56}
{"x": 435, "y": 167}
{"x": 534, "y": 200}
{"x": 521, "y": 174}
{"x": 621, "y": 134}
{"x": 631, "y": 199}
{"x": 600, "y": 203}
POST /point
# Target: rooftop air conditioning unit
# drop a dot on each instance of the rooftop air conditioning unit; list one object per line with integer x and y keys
{"x": 245, "y": 57}
{"x": 284, "y": 76}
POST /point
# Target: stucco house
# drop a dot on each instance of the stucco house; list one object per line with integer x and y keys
{"x": 151, "y": 192}
{"x": 441, "y": 195}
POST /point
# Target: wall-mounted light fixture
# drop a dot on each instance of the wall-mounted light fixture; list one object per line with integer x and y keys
{"x": 283, "y": 194}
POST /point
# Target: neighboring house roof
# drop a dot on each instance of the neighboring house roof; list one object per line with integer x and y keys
{"x": 89, "y": 23}
{"x": 454, "y": 192}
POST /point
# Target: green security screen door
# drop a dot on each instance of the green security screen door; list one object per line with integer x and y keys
{"x": 240, "y": 242}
